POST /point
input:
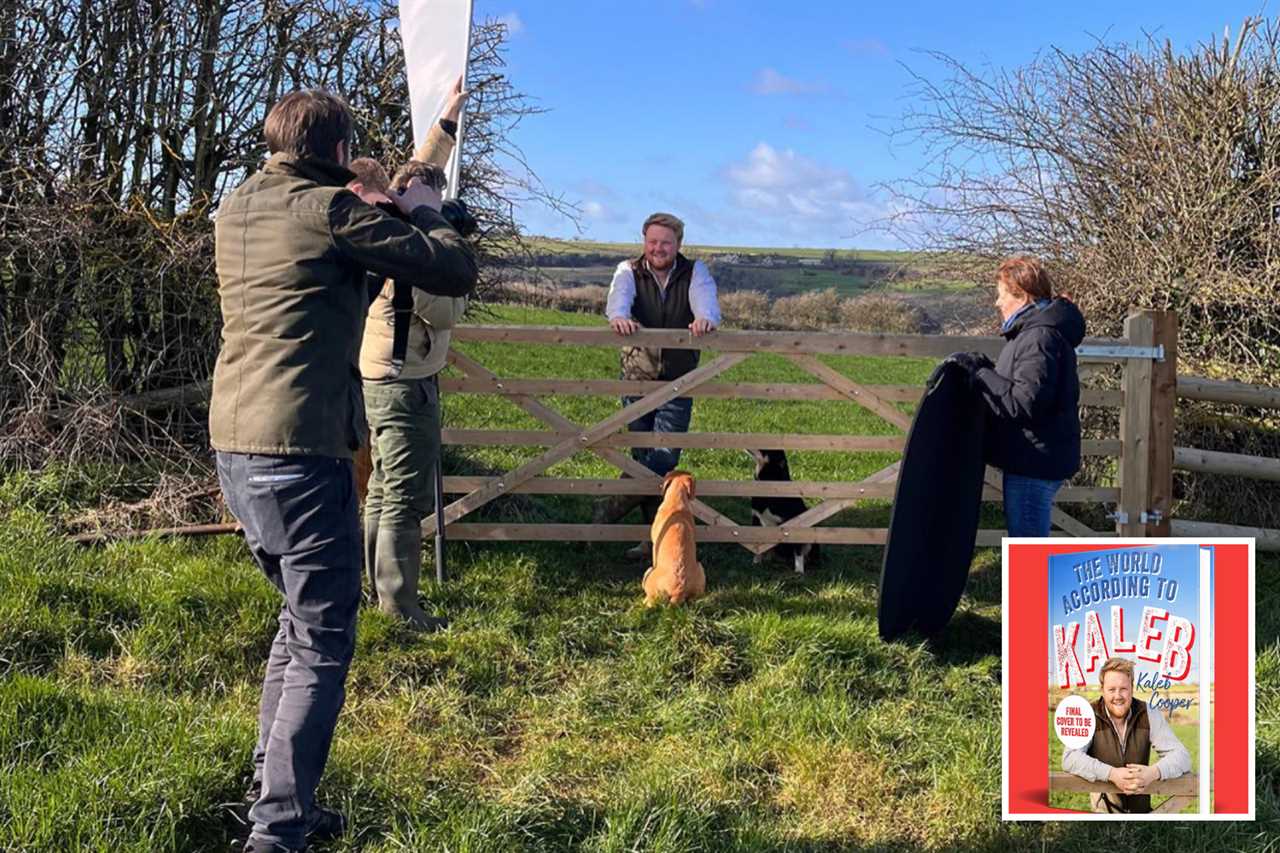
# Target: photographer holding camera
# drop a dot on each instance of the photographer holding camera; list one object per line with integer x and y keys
{"x": 406, "y": 342}
{"x": 293, "y": 246}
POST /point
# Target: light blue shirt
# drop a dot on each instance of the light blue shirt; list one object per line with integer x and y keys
{"x": 1174, "y": 760}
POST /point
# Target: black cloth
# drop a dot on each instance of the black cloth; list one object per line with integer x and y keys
{"x": 1033, "y": 394}
{"x": 934, "y": 521}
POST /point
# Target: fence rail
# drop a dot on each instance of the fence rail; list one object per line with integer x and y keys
{"x": 1143, "y": 494}
{"x": 1223, "y": 463}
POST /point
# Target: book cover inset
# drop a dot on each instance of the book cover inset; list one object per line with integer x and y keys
{"x": 1131, "y": 679}
{"x": 1127, "y": 680}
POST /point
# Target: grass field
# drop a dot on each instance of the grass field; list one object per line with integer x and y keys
{"x": 557, "y": 713}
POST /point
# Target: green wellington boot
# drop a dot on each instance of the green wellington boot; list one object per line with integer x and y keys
{"x": 397, "y": 566}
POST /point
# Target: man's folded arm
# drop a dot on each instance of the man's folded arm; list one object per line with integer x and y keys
{"x": 1080, "y": 763}
{"x": 425, "y": 253}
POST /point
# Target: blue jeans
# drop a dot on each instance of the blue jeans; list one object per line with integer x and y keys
{"x": 300, "y": 523}
{"x": 1027, "y": 504}
{"x": 672, "y": 416}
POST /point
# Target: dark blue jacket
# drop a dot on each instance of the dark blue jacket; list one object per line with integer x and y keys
{"x": 1033, "y": 394}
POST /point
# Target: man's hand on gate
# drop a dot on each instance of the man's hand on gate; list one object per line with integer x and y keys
{"x": 624, "y": 325}
{"x": 417, "y": 194}
{"x": 1124, "y": 778}
{"x": 701, "y": 326}
{"x": 1144, "y": 775}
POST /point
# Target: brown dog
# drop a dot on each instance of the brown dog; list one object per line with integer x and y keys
{"x": 676, "y": 573}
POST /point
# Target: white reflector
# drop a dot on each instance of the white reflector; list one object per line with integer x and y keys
{"x": 436, "y": 36}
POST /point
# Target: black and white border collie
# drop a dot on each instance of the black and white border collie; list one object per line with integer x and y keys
{"x": 771, "y": 466}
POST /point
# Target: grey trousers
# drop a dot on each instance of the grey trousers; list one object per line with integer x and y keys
{"x": 300, "y": 522}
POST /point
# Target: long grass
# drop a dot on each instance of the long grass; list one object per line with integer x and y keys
{"x": 557, "y": 713}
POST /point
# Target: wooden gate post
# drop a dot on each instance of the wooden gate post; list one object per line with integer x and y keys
{"x": 1146, "y": 426}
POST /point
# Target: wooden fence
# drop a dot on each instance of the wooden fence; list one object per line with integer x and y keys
{"x": 1144, "y": 447}
{"x": 1181, "y": 791}
{"x": 1227, "y": 464}
{"x": 1146, "y": 355}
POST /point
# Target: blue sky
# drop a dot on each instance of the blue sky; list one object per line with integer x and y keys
{"x": 762, "y": 123}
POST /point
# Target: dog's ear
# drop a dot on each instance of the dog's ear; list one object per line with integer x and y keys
{"x": 693, "y": 486}
{"x": 666, "y": 481}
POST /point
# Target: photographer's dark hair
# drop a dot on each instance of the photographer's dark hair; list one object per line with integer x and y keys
{"x": 308, "y": 123}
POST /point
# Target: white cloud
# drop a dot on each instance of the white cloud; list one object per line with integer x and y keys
{"x": 514, "y": 25}
{"x": 798, "y": 195}
{"x": 769, "y": 81}
{"x": 866, "y": 47}
{"x": 594, "y": 211}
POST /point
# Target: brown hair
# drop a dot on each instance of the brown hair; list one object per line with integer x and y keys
{"x": 370, "y": 173}
{"x": 666, "y": 220}
{"x": 308, "y": 123}
{"x": 431, "y": 175}
{"x": 1121, "y": 665}
{"x": 1027, "y": 275}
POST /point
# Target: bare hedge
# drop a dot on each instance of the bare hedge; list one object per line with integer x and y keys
{"x": 121, "y": 127}
{"x": 1145, "y": 176}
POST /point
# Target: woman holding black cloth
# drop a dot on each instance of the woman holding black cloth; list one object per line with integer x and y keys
{"x": 1032, "y": 394}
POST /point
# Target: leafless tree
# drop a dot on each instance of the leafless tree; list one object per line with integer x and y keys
{"x": 122, "y": 124}
{"x": 1148, "y": 177}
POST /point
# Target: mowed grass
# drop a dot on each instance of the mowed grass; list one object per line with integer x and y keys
{"x": 557, "y": 713}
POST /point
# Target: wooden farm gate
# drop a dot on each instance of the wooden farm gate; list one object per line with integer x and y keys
{"x": 1146, "y": 357}
{"x": 1181, "y": 791}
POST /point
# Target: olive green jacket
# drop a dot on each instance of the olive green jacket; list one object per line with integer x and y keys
{"x": 292, "y": 248}
{"x": 432, "y": 317}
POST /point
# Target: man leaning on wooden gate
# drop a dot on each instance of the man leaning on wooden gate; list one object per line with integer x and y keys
{"x": 661, "y": 289}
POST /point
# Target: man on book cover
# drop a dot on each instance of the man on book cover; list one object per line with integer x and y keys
{"x": 1125, "y": 732}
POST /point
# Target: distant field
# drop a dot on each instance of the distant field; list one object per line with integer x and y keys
{"x": 935, "y": 284}
{"x": 551, "y": 245}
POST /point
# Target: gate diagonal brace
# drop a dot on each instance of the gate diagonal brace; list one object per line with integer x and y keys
{"x": 583, "y": 439}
